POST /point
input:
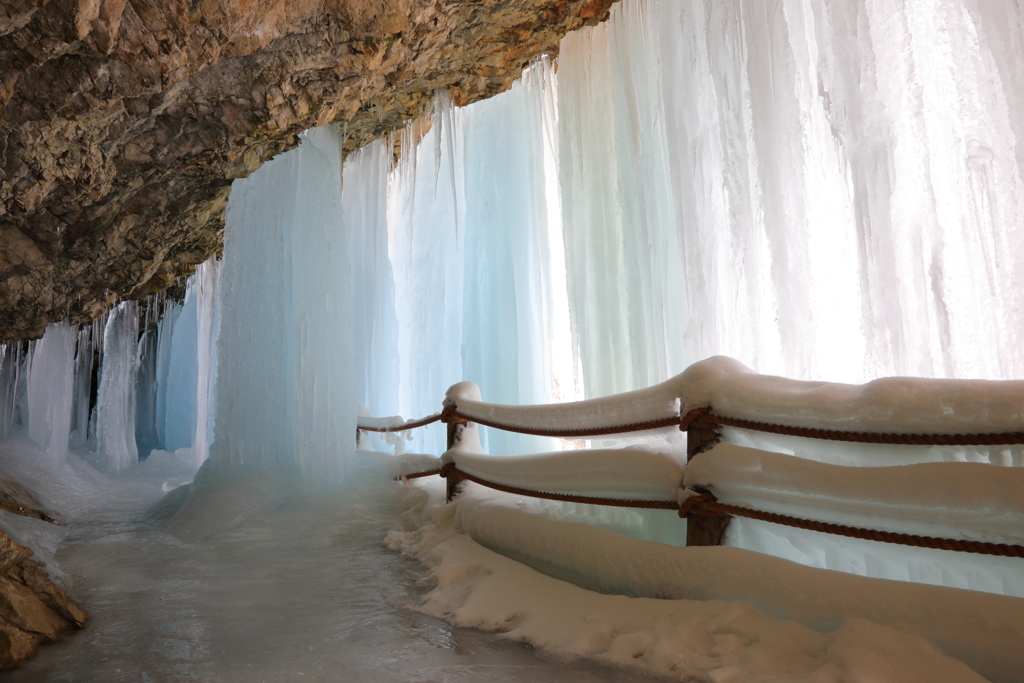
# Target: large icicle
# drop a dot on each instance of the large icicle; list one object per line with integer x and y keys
{"x": 285, "y": 380}
{"x": 115, "y": 407}
{"x": 50, "y": 384}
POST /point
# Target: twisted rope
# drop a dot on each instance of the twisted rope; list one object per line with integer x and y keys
{"x": 714, "y": 508}
{"x": 704, "y": 418}
{"x": 450, "y": 470}
{"x": 452, "y": 412}
{"x": 423, "y": 422}
{"x": 706, "y": 504}
{"x": 417, "y": 475}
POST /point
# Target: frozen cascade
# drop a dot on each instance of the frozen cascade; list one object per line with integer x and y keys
{"x": 285, "y": 377}
{"x": 375, "y": 325}
{"x": 115, "y": 406}
{"x": 179, "y": 379}
{"x": 50, "y": 382}
{"x": 9, "y": 361}
{"x": 474, "y": 246}
{"x": 179, "y": 363}
{"x": 827, "y": 191}
{"x": 86, "y": 349}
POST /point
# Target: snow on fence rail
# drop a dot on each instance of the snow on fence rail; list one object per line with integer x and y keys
{"x": 987, "y": 505}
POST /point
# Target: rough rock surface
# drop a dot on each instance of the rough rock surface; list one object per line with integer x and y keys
{"x": 32, "y": 610}
{"x": 124, "y": 121}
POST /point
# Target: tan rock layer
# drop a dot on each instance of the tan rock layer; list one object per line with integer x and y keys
{"x": 33, "y": 611}
{"x": 124, "y": 121}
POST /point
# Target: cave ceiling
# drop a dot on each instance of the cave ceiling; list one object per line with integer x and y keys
{"x": 123, "y": 122}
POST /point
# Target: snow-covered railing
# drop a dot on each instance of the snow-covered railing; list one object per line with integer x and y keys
{"x": 721, "y": 392}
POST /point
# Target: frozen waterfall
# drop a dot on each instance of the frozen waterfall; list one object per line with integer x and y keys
{"x": 285, "y": 379}
{"x": 830, "y": 192}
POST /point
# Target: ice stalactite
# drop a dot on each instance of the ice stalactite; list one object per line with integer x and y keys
{"x": 205, "y": 285}
{"x": 10, "y": 371}
{"x": 285, "y": 377}
{"x": 115, "y": 406}
{"x": 50, "y": 382}
{"x": 86, "y": 350}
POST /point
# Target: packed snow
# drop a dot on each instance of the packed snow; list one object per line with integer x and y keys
{"x": 252, "y": 577}
{"x": 891, "y": 404}
{"x": 947, "y": 500}
{"x": 723, "y": 613}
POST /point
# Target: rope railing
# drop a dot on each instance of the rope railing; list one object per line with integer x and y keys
{"x": 703, "y": 417}
{"x": 366, "y": 426}
{"x": 706, "y": 504}
{"x": 454, "y": 414}
{"x": 707, "y": 516}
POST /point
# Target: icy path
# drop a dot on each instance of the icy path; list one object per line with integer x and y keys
{"x": 305, "y": 593}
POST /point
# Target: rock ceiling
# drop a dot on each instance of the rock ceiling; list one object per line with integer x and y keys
{"x": 124, "y": 121}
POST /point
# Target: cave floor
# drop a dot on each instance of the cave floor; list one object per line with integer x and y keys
{"x": 305, "y": 593}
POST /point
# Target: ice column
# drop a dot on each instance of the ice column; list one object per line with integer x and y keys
{"x": 50, "y": 384}
{"x": 115, "y": 407}
{"x": 205, "y": 285}
{"x": 85, "y": 359}
{"x": 285, "y": 380}
{"x": 622, "y": 251}
{"x": 10, "y": 370}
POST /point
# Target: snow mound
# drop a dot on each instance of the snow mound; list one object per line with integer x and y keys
{"x": 719, "y": 640}
{"x": 221, "y": 498}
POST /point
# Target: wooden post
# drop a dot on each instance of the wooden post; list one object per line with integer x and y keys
{"x": 702, "y": 530}
{"x": 453, "y": 480}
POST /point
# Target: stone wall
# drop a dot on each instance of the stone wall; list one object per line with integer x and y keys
{"x": 124, "y": 121}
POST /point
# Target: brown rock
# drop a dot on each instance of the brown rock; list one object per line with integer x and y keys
{"x": 18, "y": 500}
{"x": 32, "y": 610}
{"x": 123, "y": 123}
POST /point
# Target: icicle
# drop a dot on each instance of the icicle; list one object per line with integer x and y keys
{"x": 83, "y": 388}
{"x": 115, "y": 414}
{"x": 50, "y": 390}
{"x": 286, "y": 390}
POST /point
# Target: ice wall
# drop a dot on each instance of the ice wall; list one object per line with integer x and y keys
{"x": 827, "y": 191}
{"x": 285, "y": 378}
{"x": 475, "y": 250}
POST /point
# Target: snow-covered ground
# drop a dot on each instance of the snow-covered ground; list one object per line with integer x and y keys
{"x": 244, "y": 575}
{"x": 303, "y": 592}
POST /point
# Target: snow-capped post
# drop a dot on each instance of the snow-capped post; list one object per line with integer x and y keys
{"x": 701, "y": 435}
{"x": 462, "y": 434}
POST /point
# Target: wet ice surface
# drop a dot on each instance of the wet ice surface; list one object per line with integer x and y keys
{"x": 305, "y": 593}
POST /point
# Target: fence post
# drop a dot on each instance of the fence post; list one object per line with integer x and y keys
{"x": 703, "y": 530}
{"x": 452, "y": 480}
